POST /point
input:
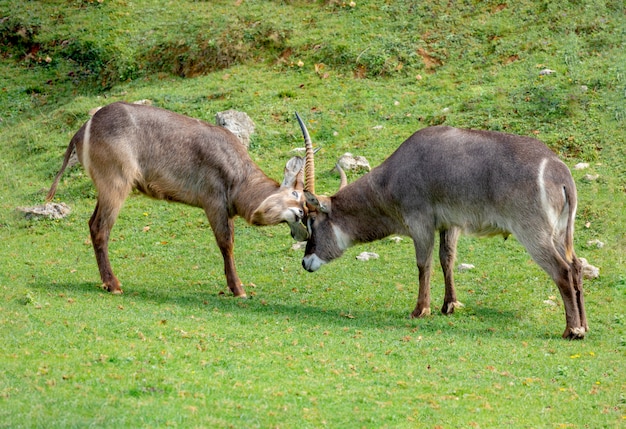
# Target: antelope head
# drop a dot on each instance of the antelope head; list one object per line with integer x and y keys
{"x": 288, "y": 204}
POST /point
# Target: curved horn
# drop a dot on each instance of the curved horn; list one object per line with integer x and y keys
{"x": 309, "y": 165}
{"x": 342, "y": 174}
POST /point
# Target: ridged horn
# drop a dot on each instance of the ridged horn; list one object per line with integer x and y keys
{"x": 309, "y": 164}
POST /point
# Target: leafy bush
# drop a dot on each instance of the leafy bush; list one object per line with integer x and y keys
{"x": 197, "y": 52}
{"x": 17, "y": 38}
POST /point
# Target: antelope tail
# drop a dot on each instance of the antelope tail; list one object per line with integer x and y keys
{"x": 66, "y": 160}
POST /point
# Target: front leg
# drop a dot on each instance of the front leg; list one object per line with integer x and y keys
{"x": 424, "y": 258}
{"x": 447, "y": 255}
{"x": 224, "y": 231}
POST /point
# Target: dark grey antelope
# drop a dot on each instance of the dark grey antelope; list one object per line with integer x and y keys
{"x": 458, "y": 181}
{"x": 172, "y": 157}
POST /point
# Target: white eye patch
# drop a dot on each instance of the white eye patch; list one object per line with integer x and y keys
{"x": 341, "y": 238}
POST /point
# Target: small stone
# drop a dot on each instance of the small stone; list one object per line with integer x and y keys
{"x": 596, "y": 243}
{"x": 465, "y": 267}
{"x": 298, "y": 245}
{"x": 589, "y": 271}
{"x": 48, "y": 210}
{"x": 366, "y": 256}
{"x": 353, "y": 163}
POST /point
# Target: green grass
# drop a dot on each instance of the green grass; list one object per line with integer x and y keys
{"x": 329, "y": 349}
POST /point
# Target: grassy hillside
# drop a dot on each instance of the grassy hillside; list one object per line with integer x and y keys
{"x": 334, "y": 348}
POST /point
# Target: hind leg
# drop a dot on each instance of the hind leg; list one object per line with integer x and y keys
{"x": 578, "y": 287}
{"x": 568, "y": 278}
{"x": 447, "y": 255}
{"x": 100, "y": 226}
{"x": 579, "y": 325}
{"x": 576, "y": 281}
{"x": 576, "y": 320}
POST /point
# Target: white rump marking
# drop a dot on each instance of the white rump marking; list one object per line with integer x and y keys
{"x": 85, "y": 160}
{"x": 548, "y": 209}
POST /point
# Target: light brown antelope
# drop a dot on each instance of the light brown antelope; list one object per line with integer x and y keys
{"x": 172, "y": 157}
{"x": 458, "y": 181}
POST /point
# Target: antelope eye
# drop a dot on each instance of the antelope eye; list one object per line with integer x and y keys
{"x": 296, "y": 194}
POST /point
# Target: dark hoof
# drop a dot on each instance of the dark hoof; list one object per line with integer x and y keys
{"x": 418, "y": 314}
{"x": 114, "y": 290}
{"x": 574, "y": 333}
{"x": 448, "y": 308}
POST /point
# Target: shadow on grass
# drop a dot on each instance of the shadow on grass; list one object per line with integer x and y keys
{"x": 473, "y": 322}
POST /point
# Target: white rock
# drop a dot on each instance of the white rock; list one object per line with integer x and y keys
{"x": 465, "y": 267}
{"x": 546, "y": 72}
{"x": 49, "y": 210}
{"x": 589, "y": 271}
{"x": 347, "y": 161}
{"x": 238, "y": 123}
{"x": 581, "y": 166}
{"x": 591, "y": 177}
{"x": 597, "y": 243}
{"x": 144, "y": 102}
{"x": 366, "y": 256}
{"x": 298, "y": 245}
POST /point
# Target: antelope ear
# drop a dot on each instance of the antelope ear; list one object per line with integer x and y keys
{"x": 321, "y": 204}
{"x": 294, "y": 173}
{"x": 299, "y": 231}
